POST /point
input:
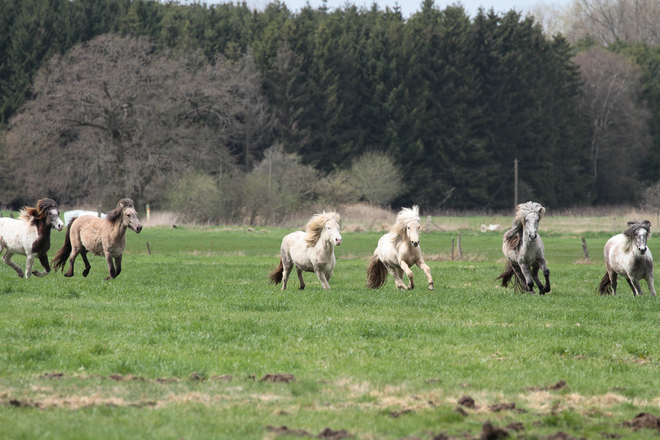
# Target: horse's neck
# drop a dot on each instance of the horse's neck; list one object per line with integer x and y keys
{"x": 118, "y": 230}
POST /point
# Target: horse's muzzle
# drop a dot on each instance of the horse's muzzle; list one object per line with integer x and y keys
{"x": 138, "y": 229}
{"x": 338, "y": 241}
{"x": 532, "y": 237}
{"x": 415, "y": 243}
{"x": 642, "y": 250}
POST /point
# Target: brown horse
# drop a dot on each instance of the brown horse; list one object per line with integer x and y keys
{"x": 106, "y": 237}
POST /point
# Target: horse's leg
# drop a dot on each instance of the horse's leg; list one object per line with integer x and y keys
{"x": 7, "y": 259}
{"x": 408, "y": 272}
{"x": 649, "y": 283}
{"x": 75, "y": 250}
{"x": 535, "y": 276}
{"x": 88, "y": 267}
{"x": 638, "y": 288}
{"x": 111, "y": 266}
{"x": 324, "y": 281}
{"x": 29, "y": 262}
{"x": 287, "y": 265}
{"x": 117, "y": 265}
{"x": 546, "y": 274}
{"x": 529, "y": 282}
{"x": 427, "y": 270}
{"x": 632, "y": 286}
{"x": 397, "y": 273}
{"x": 613, "y": 280}
{"x": 300, "y": 278}
{"x": 43, "y": 259}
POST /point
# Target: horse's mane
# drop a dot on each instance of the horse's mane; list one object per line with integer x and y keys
{"x": 403, "y": 218}
{"x": 316, "y": 224}
{"x": 32, "y": 213}
{"x": 116, "y": 213}
{"x": 513, "y": 237}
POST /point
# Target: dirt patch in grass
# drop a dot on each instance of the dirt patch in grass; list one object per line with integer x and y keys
{"x": 286, "y": 378}
{"x": 467, "y": 402}
{"x": 643, "y": 421}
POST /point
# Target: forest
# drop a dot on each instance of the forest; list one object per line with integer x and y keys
{"x": 231, "y": 113}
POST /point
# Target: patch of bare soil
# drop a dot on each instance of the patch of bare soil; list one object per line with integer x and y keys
{"x": 434, "y": 381}
{"x": 195, "y": 377}
{"x": 51, "y": 376}
{"x": 466, "y": 401}
{"x": 278, "y": 378}
{"x": 561, "y": 435}
{"x": 502, "y": 407}
{"x": 397, "y": 414}
{"x": 165, "y": 380}
{"x": 554, "y": 387}
{"x": 643, "y": 421}
{"x": 330, "y": 434}
{"x": 609, "y": 435}
{"x": 461, "y": 411}
{"x": 490, "y": 432}
{"x": 224, "y": 377}
{"x": 283, "y": 430}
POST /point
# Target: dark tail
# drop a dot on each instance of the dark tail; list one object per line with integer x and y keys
{"x": 376, "y": 273}
{"x": 605, "y": 286}
{"x": 276, "y": 275}
{"x": 508, "y": 274}
{"x": 63, "y": 254}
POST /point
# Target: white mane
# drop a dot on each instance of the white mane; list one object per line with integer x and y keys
{"x": 403, "y": 219}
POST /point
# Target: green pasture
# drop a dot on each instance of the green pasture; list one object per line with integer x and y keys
{"x": 176, "y": 347}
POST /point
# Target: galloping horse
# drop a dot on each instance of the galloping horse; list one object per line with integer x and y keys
{"x": 523, "y": 249}
{"x": 397, "y": 251}
{"x": 627, "y": 255}
{"x": 30, "y": 236}
{"x": 106, "y": 237}
{"x": 311, "y": 251}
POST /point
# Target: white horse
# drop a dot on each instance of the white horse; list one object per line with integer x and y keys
{"x": 311, "y": 251}
{"x": 627, "y": 255}
{"x": 29, "y": 235}
{"x": 397, "y": 251}
{"x": 523, "y": 249}
{"x": 70, "y": 215}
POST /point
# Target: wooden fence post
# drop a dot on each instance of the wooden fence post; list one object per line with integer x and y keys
{"x": 452, "y": 249}
{"x": 584, "y": 248}
{"x": 460, "y": 247}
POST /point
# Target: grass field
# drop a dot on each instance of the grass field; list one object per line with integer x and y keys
{"x": 178, "y": 345}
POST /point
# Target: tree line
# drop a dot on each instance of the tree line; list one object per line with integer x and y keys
{"x": 149, "y": 100}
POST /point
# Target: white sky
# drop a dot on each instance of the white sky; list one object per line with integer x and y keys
{"x": 409, "y": 7}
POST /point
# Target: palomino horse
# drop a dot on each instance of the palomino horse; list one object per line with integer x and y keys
{"x": 397, "y": 251}
{"x": 626, "y": 254}
{"x": 30, "y": 236}
{"x": 523, "y": 249}
{"x": 311, "y": 251}
{"x": 106, "y": 237}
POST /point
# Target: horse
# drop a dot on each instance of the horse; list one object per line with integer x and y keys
{"x": 311, "y": 251}
{"x": 29, "y": 235}
{"x": 105, "y": 237}
{"x": 626, "y": 254}
{"x": 70, "y": 215}
{"x": 523, "y": 249}
{"x": 397, "y": 251}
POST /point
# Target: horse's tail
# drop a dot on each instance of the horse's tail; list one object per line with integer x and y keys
{"x": 507, "y": 274}
{"x": 376, "y": 273}
{"x": 63, "y": 254}
{"x": 276, "y": 275}
{"x": 605, "y": 286}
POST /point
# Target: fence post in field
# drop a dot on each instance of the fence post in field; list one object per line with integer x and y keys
{"x": 584, "y": 248}
{"x": 452, "y": 249}
{"x": 460, "y": 247}
{"x": 148, "y": 248}
{"x": 429, "y": 220}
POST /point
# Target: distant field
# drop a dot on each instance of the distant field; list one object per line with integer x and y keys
{"x": 176, "y": 347}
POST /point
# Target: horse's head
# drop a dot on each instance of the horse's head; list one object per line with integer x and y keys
{"x": 640, "y": 232}
{"x": 129, "y": 216}
{"x": 529, "y": 214}
{"x": 47, "y": 210}
{"x": 412, "y": 231}
{"x": 331, "y": 231}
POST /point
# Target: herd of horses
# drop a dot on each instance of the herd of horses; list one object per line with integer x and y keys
{"x": 313, "y": 250}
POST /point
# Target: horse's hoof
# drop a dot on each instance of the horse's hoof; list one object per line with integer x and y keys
{"x": 108, "y": 278}
{"x": 85, "y": 272}
{"x": 68, "y": 275}
{"x": 301, "y": 288}
{"x": 431, "y": 286}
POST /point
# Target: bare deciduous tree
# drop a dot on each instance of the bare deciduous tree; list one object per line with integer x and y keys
{"x": 610, "y": 100}
{"x": 610, "y": 20}
{"x": 376, "y": 178}
{"x": 113, "y": 119}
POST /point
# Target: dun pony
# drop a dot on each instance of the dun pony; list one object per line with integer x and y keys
{"x": 397, "y": 251}
{"x": 310, "y": 251}
{"x": 524, "y": 251}
{"x": 626, "y": 254}
{"x": 105, "y": 237}
{"x": 29, "y": 235}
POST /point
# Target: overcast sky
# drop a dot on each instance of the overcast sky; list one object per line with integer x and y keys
{"x": 409, "y": 7}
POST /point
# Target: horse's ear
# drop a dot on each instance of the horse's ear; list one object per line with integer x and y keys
{"x": 631, "y": 222}
{"x": 541, "y": 210}
{"x": 646, "y": 224}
